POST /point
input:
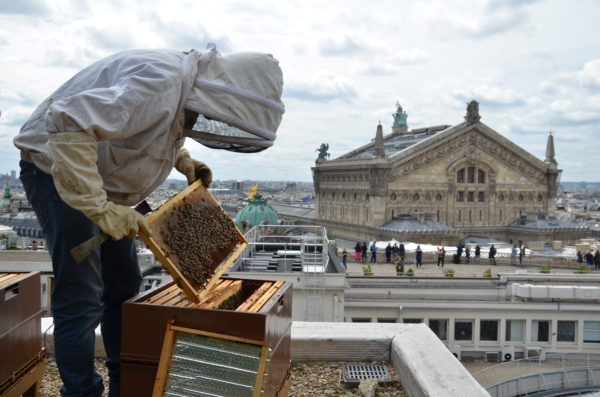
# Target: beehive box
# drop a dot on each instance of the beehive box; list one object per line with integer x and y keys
{"x": 20, "y": 323}
{"x": 260, "y": 310}
{"x": 194, "y": 239}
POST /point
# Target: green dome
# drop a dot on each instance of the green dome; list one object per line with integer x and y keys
{"x": 257, "y": 212}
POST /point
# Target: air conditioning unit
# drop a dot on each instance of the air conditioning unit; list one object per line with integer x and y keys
{"x": 455, "y": 350}
{"x": 535, "y": 353}
{"x": 508, "y": 353}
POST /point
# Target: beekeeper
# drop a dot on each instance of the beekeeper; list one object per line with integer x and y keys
{"x": 103, "y": 142}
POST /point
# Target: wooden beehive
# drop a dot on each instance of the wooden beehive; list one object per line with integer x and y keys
{"x": 20, "y": 323}
{"x": 221, "y": 259}
{"x": 259, "y": 310}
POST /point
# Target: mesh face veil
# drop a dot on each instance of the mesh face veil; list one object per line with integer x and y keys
{"x": 238, "y": 100}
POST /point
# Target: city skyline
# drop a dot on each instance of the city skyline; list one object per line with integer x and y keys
{"x": 344, "y": 66}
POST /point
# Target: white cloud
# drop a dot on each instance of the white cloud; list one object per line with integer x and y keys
{"x": 475, "y": 19}
{"x": 323, "y": 86}
{"x": 15, "y": 116}
{"x": 344, "y": 67}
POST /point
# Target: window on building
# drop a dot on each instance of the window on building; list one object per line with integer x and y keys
{"x": 500, "y": 214}
{"x": 459, "y": 215}
{"x": 488, "y": 330}
{"x": 515, "y": 330}
{"x": 470, "y": 197}
{"x": 481, "y": 197}
{"x": 565, "y": 331}
{"x": 470, "y": 220}
{"x": 412, "y": 321}
{"x": 460, "y": 196}
{"x": 463, "y": 329}
{"x": 540, "y": 330}
{"x": 470, "y": 174}
{"x": 460, "y": 176}
{"x": 361, "y": 320}
{"x": 386, "y": 320}
{"x": 480, "y": 215}
{"x": 591, "y": 331}
{"x": 439, "y": 327}
{"x": 480, "y": 176}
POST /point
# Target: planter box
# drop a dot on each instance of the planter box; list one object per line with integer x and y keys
{"x": 145, "y": 322}
{"x": 20, "y": 322}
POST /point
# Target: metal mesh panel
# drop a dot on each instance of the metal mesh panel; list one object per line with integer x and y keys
{"x": 354, "y": 372}
{"x": 204, "y": 366}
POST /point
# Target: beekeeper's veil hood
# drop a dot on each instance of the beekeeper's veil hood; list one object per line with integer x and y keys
{"x": 238, "y": 99}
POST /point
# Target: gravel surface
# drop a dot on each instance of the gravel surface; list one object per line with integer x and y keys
{"x": 323, "y": 379}
{"x": 51, "y": 381}
{"x": 308, "y": 379}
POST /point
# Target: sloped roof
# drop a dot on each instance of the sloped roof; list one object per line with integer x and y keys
{"x": 408, "y": 223}
{"x": 548, "y": 223}
{"x": 395, "y": 142}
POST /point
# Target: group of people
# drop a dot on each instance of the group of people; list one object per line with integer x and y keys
{"x": 589, "y": 259}
{"x": 392, "y": 252}
{"x": 395, "y": 253}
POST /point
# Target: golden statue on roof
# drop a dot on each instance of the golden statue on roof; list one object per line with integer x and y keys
{"x": 253, "y": 192}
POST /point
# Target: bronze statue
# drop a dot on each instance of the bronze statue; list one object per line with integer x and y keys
{"x": 323, "y": 151}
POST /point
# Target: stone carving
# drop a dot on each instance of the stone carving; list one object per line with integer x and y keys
{"x": 472, "y": 115}
{"x": 483, "y": 143}
{"x": 323, "y": 152}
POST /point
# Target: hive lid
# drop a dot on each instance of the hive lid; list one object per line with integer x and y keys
{"x": 194, "y": 239}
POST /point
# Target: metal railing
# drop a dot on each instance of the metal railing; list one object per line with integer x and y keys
{"x": 536, "y": 365}
{"x": 567, "y": 381}
{"x": 529, "y": 261}
{"x": 307, "y": 244}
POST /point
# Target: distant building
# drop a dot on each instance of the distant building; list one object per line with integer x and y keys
{"x": 440, "y": 184}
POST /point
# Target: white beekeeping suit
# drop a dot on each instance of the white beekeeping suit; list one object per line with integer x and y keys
{"x": 111, "y": 134}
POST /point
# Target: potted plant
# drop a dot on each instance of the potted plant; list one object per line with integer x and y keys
{"x": 545, "y": 269}
{"x": 410, "y": 273}
{"x": 367, "y": 271}
{"x": 582, "y": 269}
{"x": 487, "y": 273}
{"x": 449, "y": 273}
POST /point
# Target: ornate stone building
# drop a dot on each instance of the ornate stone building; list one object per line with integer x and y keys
{"x": 453, "y": 180}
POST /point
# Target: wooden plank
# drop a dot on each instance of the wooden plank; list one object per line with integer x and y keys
{"x": 161, "y": 294}
{"x": 227, "y": 293}
{"x": 221, "y": 286}
{"x": 260, "y": 372}
{"x": 222, "y": 269}
{"x": 254, "y": 297}
{"x": 28, "y": 385}
{"x": 265, "y": 297}
{"x": 165, "y": 359}
{"x": 10, "y": 277}
{"x": 174, "y": 300}
{"x": 219, "y": 336}
{"x": 158, "y": 220}
{"x": 167, "y": 297}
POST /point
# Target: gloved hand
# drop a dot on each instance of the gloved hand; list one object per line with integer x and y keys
{"x": 79, "y": 184}
{"x": 119, "y": 221}
{"x": 192, "y": 169}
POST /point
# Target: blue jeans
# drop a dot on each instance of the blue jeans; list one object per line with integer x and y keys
{"x": 85, "y": 294}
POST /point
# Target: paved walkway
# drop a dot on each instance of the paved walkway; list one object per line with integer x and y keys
{"x": 460, "y": 270}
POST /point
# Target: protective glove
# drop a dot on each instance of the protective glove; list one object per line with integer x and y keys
{"x": 192, "y": 169}
{"x": 79, "y": 184}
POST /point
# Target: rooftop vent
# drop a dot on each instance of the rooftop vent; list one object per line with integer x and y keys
{"x": 354, "y": 373}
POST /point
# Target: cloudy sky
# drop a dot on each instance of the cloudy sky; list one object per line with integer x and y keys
{"x": 534, "y": 66}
